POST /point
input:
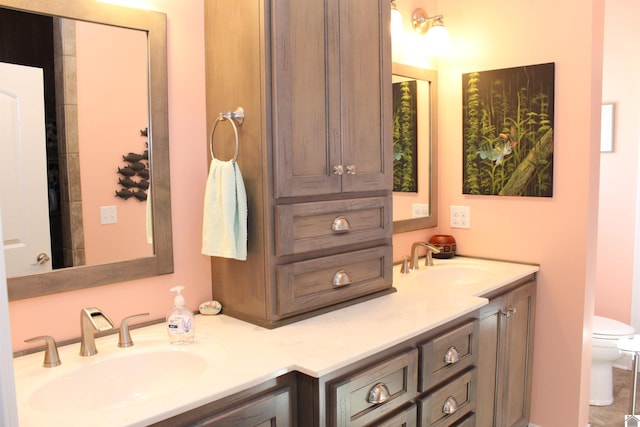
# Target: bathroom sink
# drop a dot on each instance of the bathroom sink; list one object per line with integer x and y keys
{"x": 454, "y": 274}
{"x": 119, "y": 381}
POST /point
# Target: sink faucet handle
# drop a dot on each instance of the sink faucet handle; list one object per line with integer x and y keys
{"x": 428, "y": 260}
{"x": 405, "y": 265}
{"x": 51, "y": 358}
{"x": 124, "y": 337}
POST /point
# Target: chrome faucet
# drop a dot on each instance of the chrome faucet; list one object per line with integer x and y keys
{"x": 92, "y": 320}
{"x": 414, "y": 254}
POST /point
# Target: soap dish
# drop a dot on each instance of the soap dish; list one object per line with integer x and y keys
{"x": 210, "y": 308}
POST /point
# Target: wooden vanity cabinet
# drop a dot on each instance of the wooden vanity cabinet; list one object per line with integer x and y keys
{"x": 315, "y": 152}
{"x": 505, "y": 358}
{"x": 269, "y": 404}
{"x": 420, "y": 376}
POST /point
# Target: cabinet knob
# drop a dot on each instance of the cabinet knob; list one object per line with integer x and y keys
{"x": 42, "y": 258}
{"x": 379, "y": 393}
{"x": 452, "y": 356}
{"x": 450, "y": 406}
{"x": 341, "y": 278}
{"x": 338, "y": 170}
{"x": 509, "y": 311}
{"x": 340, "y": 224}
{"x": 351, "y": 170}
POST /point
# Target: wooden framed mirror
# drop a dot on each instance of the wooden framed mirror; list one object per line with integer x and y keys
{"x": 150, "y": 27}
{"x": 415, "y": 130}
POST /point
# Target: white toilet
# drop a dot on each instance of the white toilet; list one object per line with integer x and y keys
{"x": 606, "y": 333}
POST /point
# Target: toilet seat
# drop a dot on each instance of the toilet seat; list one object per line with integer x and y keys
{"x": 605, "y": 328}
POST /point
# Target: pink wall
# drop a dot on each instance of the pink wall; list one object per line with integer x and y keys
{"x": 110, "y": 117}
{"x": 57, "y": 315}
{"x": 559, "y": 233}
{"x": 619, "y": 170}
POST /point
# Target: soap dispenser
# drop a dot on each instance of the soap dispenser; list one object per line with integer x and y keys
{"x": 180, "y": 322}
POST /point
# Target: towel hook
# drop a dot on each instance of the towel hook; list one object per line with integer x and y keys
{"x": 236, "y": 118}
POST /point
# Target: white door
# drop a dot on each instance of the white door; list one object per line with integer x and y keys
{"x": 23, "y": 166}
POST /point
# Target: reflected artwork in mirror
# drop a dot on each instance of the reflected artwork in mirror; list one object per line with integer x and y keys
{"x": 102, "y": 105}
{"x": 415, "y": 195}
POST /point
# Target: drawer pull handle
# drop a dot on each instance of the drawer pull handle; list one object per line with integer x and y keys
{"x": 338, "y": 170}
{"x": 341, "y": 278}
{"x": 351, "y": 170}
{"x": 452, "y": 356}
{"x": 450, "y": 406}
{"x": 340, "y": 224}
{"x": 378, "y": 394}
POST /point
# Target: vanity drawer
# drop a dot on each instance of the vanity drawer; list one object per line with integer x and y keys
{"x": 449, "y": 404}
{"x": 352, "y": 396}
{"x": 304, "y": 227}
{"x": 405, "y": 417}
{"x": 448, "y": 354}
{"x": 320, "y": 282}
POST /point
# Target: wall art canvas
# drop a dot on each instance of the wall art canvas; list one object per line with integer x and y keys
{"x": 405, "y": 136}
{"x": 508, "y": 131}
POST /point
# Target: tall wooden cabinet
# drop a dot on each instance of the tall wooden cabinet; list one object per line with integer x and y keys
{"x": 315, "y": 151}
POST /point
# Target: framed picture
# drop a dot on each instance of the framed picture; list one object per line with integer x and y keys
{"x": 606, "y": 128}
{"x": 508, "y": 122}
{"x": 405, "y": 136}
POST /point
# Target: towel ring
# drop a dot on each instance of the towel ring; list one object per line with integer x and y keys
{"x": 236, "y": 118}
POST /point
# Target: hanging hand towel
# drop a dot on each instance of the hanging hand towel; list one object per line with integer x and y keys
{"x": 224, "y": 229}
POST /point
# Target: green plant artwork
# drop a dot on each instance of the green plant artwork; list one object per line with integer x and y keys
{"x": 405, "y": 136}
{"x": 508, "y": 131}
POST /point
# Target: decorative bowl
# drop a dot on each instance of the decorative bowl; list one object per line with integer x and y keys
{"x": 446, "y": 244}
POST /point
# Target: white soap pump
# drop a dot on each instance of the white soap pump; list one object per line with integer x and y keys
{"x": 180, "y": 322}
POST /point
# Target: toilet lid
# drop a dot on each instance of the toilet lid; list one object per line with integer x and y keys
{"x": 606, "y": 326}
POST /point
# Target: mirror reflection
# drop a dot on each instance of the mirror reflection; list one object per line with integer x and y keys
{"x": 70, "y": 147}
{"x": 85, "y": 147}
{"x": 415, "y": 147}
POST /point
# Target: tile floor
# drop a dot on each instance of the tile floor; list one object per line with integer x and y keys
{"x": 613, "y": 415}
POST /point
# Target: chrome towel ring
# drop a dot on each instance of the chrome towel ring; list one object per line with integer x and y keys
{"x": 236, "y": 118}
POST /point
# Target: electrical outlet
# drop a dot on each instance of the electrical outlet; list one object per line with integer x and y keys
{"x": 460, "y": 217}
{"x": 108, "y": 215}
{"x": 420, "y": 210}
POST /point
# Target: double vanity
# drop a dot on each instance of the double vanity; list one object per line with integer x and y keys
{"x": 452, "y": 346}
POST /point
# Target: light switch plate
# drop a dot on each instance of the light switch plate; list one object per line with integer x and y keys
{"x": 460, "y": 217}
{"x": 419, "y": 210}
{"x": 108, "y": 215}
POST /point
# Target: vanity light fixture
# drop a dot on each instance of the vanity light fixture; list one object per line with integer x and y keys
{"x": 436, "y": 33}
{"x": 397, "y": 31}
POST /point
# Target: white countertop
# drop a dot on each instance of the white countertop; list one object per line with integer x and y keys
{"x": 243, "y": 355}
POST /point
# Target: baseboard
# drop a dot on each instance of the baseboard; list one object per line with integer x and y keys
{"x": 625, "y": 362}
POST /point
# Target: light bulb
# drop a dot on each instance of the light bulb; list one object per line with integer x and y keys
{"x": 397, "y": 30}
{"x": 438, "y": 42}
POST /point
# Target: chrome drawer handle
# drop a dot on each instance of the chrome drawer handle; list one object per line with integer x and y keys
{"x": 379, "y": 393}
{"x": 351, "y": 170}
{"x": 450, "y": 406}
{"x": 338, "y": 170}
{"x": 341, "y": 278}
{"x": 340, "y": 225}
{"x": 452, "y": 356}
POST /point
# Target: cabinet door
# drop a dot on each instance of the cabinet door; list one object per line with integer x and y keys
{"x": 330, "y": 89}
{"x": 505, "y": 359}
{"x": 516, "y": 352}
{"x": 304, "y": 149}
{"x": 270, "y": 410}
{"x": 365, "y": 98}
